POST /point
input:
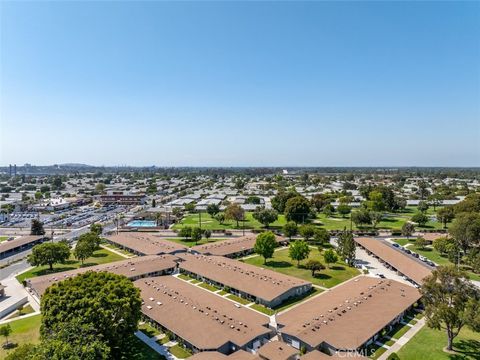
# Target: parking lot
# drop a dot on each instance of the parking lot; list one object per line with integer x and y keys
{"x": 69, "y": 219}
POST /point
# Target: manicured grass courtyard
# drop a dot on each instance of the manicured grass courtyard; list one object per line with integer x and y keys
{"x": 208, "y": 287}
{"x": 238, "y": 299}
{"x": 149, "y": 330}
{"x": 24, "y": 331}
{"x": 190, "y": 243}
{"x": 429, "y": 343}
{"x": 391, "y": 221}
{"x": 210, "y": 223}
{"x": 336, "y": 274}
{"x": 179, "y": 352}
{"x": 101, "y": 256}
{"x": 3, "y": 238}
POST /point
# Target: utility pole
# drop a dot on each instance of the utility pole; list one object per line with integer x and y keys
{"x": 200, "y": 219}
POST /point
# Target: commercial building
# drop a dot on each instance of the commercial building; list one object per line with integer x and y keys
{"x": 141, "y": 243}
{"x": 405, "y": 265}
{"x": 348, "y": 317}
{"x": 121, "y": 198}
{"x": 134, "y": 268}
{"x": 263, "y": 286}
{"x": 9, "y": 248}
{"x": 204, "y": 321}
{"x": 231, "y": 248}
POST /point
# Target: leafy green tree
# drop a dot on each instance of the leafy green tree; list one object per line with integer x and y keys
{"x": 73, "y": 341}
{"x": 420, "y": 218}
{"x": 420, "y": 243}
{"x": 23, "y": 352}
{"x": 423, "y": 206}
{"x": 328, "y": 210}
{"x": 408, "y": 229}
{"x": 207, "y": 234}
{"x": 361, "y": 217}
{"x": 319, "y": 201}
{"x": 37, "y": 228}
{"x": 106, "y": 302}
{"x": 344, "y": 210}
{"x": 321, "y": 236}
{"x": 185, "y": 232}
{"x": 445, "y": 215}
{"x": 375, "y": 218}
{"x": 297, "y": 209}
{"x": 298, "y": 251}
{"x": 346, "y": 247}
{"x": 255, "y": 200}
{"x": 92, "y": 238}
{"x": 279, "y": 201}
{"x": 465, "y": 229}
{"x": 441, "y": 244}
{"x": 375, "y": 201}
{"x": 96, "y": 229}
{"x": 307, "y": 231}
{"x": 265, "y": 216}
{"x": 290, "y": 229}
{"x": 5, "y": 331}
{"x": 451, "y": 302}
{"x": 330, "y": 257}
{"x": 220, "y": 217}
{"x": 83, "y": 250}
{"x": 470, "y": 204}
{"x": 314, "y": 266}
{"x": 196, "y": 234}
{"x": 265, "y": 245}
{"x": 213, "y": 209}
{"x": 49, "y": 253}
{"x": 234, "y": 212}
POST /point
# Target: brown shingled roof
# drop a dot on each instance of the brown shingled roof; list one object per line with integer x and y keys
{"x": 277, "y": 350}
{"x": 131, "y": 268}
{"x": 350, "y": 314}
{"x": 215, "y": 355}
{"x": 404, "y": 263}
{"x": 205, "y": 320}
{"x": 262, "y": 283}
{"x": 22, "y": 240}
{"x": 230, "y": 246}
{"x": 317, "y": 355}
{"x": 146, "y": 243}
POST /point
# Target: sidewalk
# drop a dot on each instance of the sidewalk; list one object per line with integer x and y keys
{"x": 162, "y": 350}
{"x": 404, "y": 339}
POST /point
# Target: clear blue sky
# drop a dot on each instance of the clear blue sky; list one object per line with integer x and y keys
{"x": 239, "y": 84}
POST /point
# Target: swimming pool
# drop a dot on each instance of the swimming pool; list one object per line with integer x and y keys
{"x": 142, "y": 223}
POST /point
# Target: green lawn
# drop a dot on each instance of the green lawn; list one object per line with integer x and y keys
{"x": 211, "y": 224}
{"x": 293, "y": 301}
{"x": 149, "y": 330}
{"x": 430, "y": 343}
{"x": 208, "y": 287}
{"x": 118, "y": 249}
{"x": 338, "y": 272}
{"x": 140, "y": 351}
{"x": 263, "y": 309}
{"x": 398, "y": 331}
{"x": 28, "y": 331}
{"x": 101, "y": 256}
{"x": 433, "y": 255}
{"x": 23, "y": 331}
{"x": 238, "y": 299}
{"x": 391, "y": 221}
{"x": 179, "y": 352}
{"x": 3, "y": 238}
{"x": 25, "y": 310}
{"x": 189, "y": 243}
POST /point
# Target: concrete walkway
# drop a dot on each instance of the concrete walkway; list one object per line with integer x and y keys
{"x": 162, "y": 350}
{"x": 404, "y": 339}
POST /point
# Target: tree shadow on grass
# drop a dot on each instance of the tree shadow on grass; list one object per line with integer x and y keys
{"x": 98, "y": 255}
{"x": 337, "y": 267}
{"x": 55, "y": 270}
{"x": 278, "y": 264}
{"x": 88, "y": 264}
{"x": 322, "y": 276}
{"x": 466, "y": 349}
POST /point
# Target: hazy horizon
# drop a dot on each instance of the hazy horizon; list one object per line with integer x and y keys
{"x": 231, "y": 84}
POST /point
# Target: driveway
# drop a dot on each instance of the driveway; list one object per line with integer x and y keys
{"x": 374, "y": 266}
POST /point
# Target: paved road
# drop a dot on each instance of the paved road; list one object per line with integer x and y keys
{"x": 23, "y": 265}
